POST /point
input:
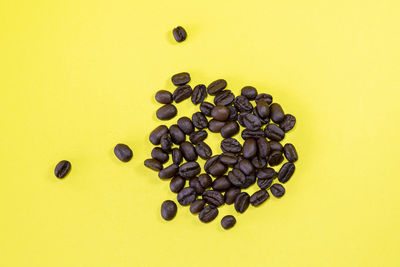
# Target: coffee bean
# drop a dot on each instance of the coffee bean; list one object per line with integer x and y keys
{"x": 246, "y": 167}
{"x": 264, "y": 97}
{"x": 198, "y": 136}
{"x": 250, "y": 180}
{"x": 237, "y": 177}
{"x": 205, "y": 180}
{"x": 259, "y": 162}
{"x": 155, "y": 135}
{"x": 275, "y": 158}
{"x": 176, "y": 184}
{"x": 239, "y": 159}
{"x": 286, "y": 172}
{"x": 160, "y": 155}
{"x": 208, "y": 214}
{"x": 276, "y": 112}
{"x": 215, "y": 126}
{"x": 250, "y": 92}
{"x": 252, "y": 122}
{"x": 206, "y": 108}
{"x": 228, "y": 222}
{"x": 259, "y": 197}
{"x": 179, "y": 34}
{"x": 231, "y": 145}
{"x": 221, "y": 184}
{"x": 177, "y": 136}
{"x": 166, "y": 112}
{"x": 180, "y": 78}
{"x": 275, "y": 146}
{"x": 262, "y": 120}
{"x": 203, "y": 150}
{"x": 153, "y": 164}
{"x": 262, "y": 109}
{"x": 263, "y": 147}
{"x": 230, "y": 129}
{"x": 188, "y": 151}
{"x": 266, "y": 173}
{"x": 243, "y": 104}
{"x": 229, "y": 159}
{"x": 290, "y": 152}
{"x": 210, "y": 162}
{"x": 197, "y": 206}
{"x": 199, "y": 94}
{"x": 216, "y": 86}
{"x": 186, "y": 125}
{"x": 217, "y": 169}
{"x": 166, "y": 143}
{"x": 199, "y": 120}
{"x": 264, "y": 183}
{"x": 186, "y": 196}
{"x": 214, "y": 198}
{"x": 189, "y": 169}
{"x": 241, "y": 118}
{"x": 249, "y": 148}
{"x": 277, "y": 190}
{"x": 62, "y": 168}
{"x": 231, "y": 194}
{"x": 242, "y": 202}
{"x": 220, "y": 113}
{"x": 168, "y": 172}
{"x": 273, "y": 132}
{"x": 224, "y": 98}
{"x": 246, "y": 134}
{"x": 288, "y": 123}
{"x": 163, "y": 97}
{"x": 233, "y": 114}
{"x": 195, "y": 184}
{"x": 176, "y": 156}
{"x": 123, "y": 152}
{"x": 181, "y": 93}
{"x": 168, "y": 210}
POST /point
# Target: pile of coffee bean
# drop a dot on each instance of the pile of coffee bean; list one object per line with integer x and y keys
{"x": 239, "y": 166}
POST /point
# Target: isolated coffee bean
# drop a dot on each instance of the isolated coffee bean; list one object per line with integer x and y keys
{"x": 233, "y": 114}
{"x": 262, "y": 109}
{"x": 180, "y": 78}
{"x": 205, "y": 180}
{"x": 216, "y": 86}
{"x": 153, "y": 164}
{"x": 286, "y": 172}
{"x": 229, "y": 159}
{"x": 264, "y": 97}
{"x": 259, "y": 162}
{"x": 181, "y": 93}
{"x": 208, "y": 214}
{"x": 246, "y": 167}
{"x": 189, "y": 169}
{"x": 264, "y": 183}
{"x": 215, "y": 126}
{"x": 168, "y": 210}
{"x": 220, "y": 113}
{"x": 166, "y": 112}
{"x": 277, "y": 190}
{"x": 290, "y": 152}
{"x": 224, "y": 98}
{"x": 214, "y": 198}
{"x": 263, "y": 147}
{"x": 252, "y": 122}
{"x": 250, "y": 92}
{"x": 186, "y": 196}
{"x": 166, "y": 142}
{"x": 246, "y": 134}
{"x": 249, "y": 181}
{"x": 221, "y": 184}
{"x": 243, "y": 104}
{"x": 199, "y": 94}
{"x": 275, "y": 158}
{"x": 276, "y": 113}
{"x": 198, "y": 136}
{"x": 206, "y": 108}
{"x": 188, "y": 151}
{"x": 242, "y": 202}
{"x": 197, "y": 206}
{"x": 231, "y": 194}
{"x": 163, "y": 97}
{"x": 288, "y": 123}
{"x": 155, "y": 135}
{"x": 176, "y": 184}
{"x": 168, "y": 172}
{"x": 177, "y": 136}
{"x": 160, "y": 155}
{"x": 273, "y": 132}
{"x": 231, "y": 145}
{"x": 179, "y": 34}
{"x": 62, "y": 169}
{"x": 259, "y": 197}
{"x": 123, "y": 152}
{"x": 203, "y": 150}
{"x": 176, "y": 156}
{"x": 195, "y": 184}
{"x": 249, "y": 148}
{"x": 199, "y": 120}
{"x": 266, "y": 173}
{"x": 229, "y": 129}
{"x": 275, "y": 146}
{"x": 228, "y": 222}
{"x": 237, "y": 177}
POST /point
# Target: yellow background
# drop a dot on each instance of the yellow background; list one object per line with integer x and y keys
{"x": 77, "y": 77}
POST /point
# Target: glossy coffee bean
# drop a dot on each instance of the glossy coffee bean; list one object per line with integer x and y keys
{"x": 231, "y": 145}
{"x": 259, "y": 197}
{"x": 215, "y": 126}
{"x": 262, "y": 109}
{"x": 214, "y": 198}
{"x": 177, "y": 184}
{"x": 220, "y": 113}
{"x": 243, "y": 104}
{"x": 179, "y": 34}
{"x": 233, "y": 114}
{"x": 160, "y": 155}
{"x": 277, "y": 190}
{"x": 259, "y": 162}
{"x": 276, "y": 113}
{"x": 176, "y": 156}
{"x": 249, "y": 181}
{"x": 249, "y": 148}
{"x": 206, "y": 108}
{"x": 166, "y": 112}
{"x": 264, "y": 97}
{"x": 163, "y": 97}
{"x": 205, "y": 180}
{"x": 208, "y": 214}
{"x": 264, "y": 183}
{"x": 166, "y": 142}
{"x": 242, "y": 202}
{"x": 188, "y": 151}
{"x": 231, "y": 195}
{"x": 189, "y": 169}
{"x": 197, "y": 206}
{"x": 246, "y": 134}
{"x": 266, "y": 173}
{"x": 177, "y": 136}
{"x": 123, "y": 152}
{"x": 273, "y": 132}
{"x": 237, "y": 177}
{"x": 155, "y": 135}
{"x": 229, "y": 129}
{"x": 195, "y": 184}
{"x": 168, "y": 172}
{"x": 211, "y": 162}
{"x": 180, "y": 78}
{"x": 263, "y": 147}
{"x": 216, "y": 86}
{"x": 288, "y": 123}
{"x": 62, "y": 169}
{"x": 286, "y": 172}
{"x": 186, "y": 125}
{"x": 186, "y": 196}
{"x": 217, "y": 169}
{"x": 168, "y": 210}
{"x": 275, "y": 146}
{"x": 229, "y": 159}
{"x": 199, "y": 94}
{"x": 221, "y": 184}
{"x": 290, "y": 152}
{"x": 203, "y": 150}
{"x": 249, "y": 92}
{"x": 264, "y": 120}
{"x": 181, "y": 93}
{"x": 153, "y": 164}
{"x": 252, "y": 122}
{"x": 198, "y": 136}
{"x": 224, "y": 98}
{"x": 275, "y": 158}
{"x": 199, "y": 120}
{"x": 246, "y": 167}
{"x": 228, "y": 222}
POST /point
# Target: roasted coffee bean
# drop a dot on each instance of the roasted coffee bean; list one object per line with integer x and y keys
{"x": 264, "y": 183}
{"x": 210, "y": 162}
{"x": 176, "y": 156}
{"x": 237, "y": 177}
{"x": 231, "y": 194}
{"x": 263, "y": 120}
{"x": 277, "y": 190}
{"x": 197, "y": 206}
{"x": 168, "y": 210}
{"x": 290, "y": 152}
{"x": 243, "y": 104}
{"x": 199, "y": 94}
{"x": 286, "y": 172}
{"x": 214, "y": 198}
{"x": 224, "y": 98}
{"x": 186, "y": 196}
{"x": 259, "y": 162}
{"x": 275, "y": 158}
{"x": 168, "y": 172}
{"x": 217, "y": 169}
{"x": 188, "y": 151}
{"x": 177, "y": 136}
{"x": 195, "y": 184}
{"x": 246, "y": 167}
{"x": 221, "y": 184}
{"x": 288, "y": 123}
{"x": 233, "y": 115}
{"x": 275, "y": 146}
{"x": 62, "y": 168}
{"x": 203, "y": 150}
{"x": 266, "y": 173}
{"x": 230, "y": 129}
{"x": 262, "y": 109}
{"x": 160, "y": 155}
{"x": 231, "y": 145}
{"x": 205, "y": 180}
{"x": 252, "y": 122}
{"x": 250, "y": 180}
{"x": 242, "y": 202}
{"x": 249, "y": 148}
{"x": 123, "y": 152}
{"x": 246, "y": 134}
{"x": 276, "y": 113}
{"x": 208, "y": 214}
{"x": 166, "y": 142}
{"x": 155, "y": 135}
{"x": 189, "y": 169}
{"x": 185, "y": 125}
{"x": 273, "y": 132}
{"x": 166, "y": 112}
{"x": 179, "y": 34}
{"x": 216, "y": 86}
{"x": 206, "y": 108}
{"x": 153, "y": 164}
{"x": 259, "y": 197}
{"x": 215, "y": 126}
{"x": 220, "y": 113}
{"x": 199, "y": 120}
{"x": 229, "y": 159}
{"x": 228, "y": 222}
{"x": 250, "y": 92}
{"x": 264, "y": 97}
{"x": 198, "y": 136}
{"x": 163, "y": 97}
{"x": 263, "y": 147}
{"x": 241, "y": 118}
{"x": 239, "y": 159}
{"x": 176, "y": 184}
{"x": 181, "y": 93}
{"x": 180, "y": 78}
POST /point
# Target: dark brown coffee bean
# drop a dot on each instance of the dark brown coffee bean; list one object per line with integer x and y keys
{"x": 275, "y": 158}
{"x": 239, "y": 159}
{"x": 246, "y": 167}
{"x": 231, "y": 194}
{"x": 198, "y": 136}
{"x": 123, "y": 152}
{"x": 205, "y": 180}
{"x": 224, "y": 98}
{"x": 228, "y": 222}
{"x": 264, "y": 183}
{"x": 286, "y": 172}
{"x": 168, "y": 172}
{"x": 176, "y": 184}
{"x": 276, "y": 112}
{"x": 179, "y": 34}
{"x": 199, "y": 120}
{"x": 215, "y": 126}
{"x": 166, "y": 112}
{"x": 214, "y": 198}
{"x": 62, "y": 169}
{"x": 217, "y": 169}
{"x": 243, "y": 104}
{"x": 153, "y": 164}
{"x": 208, "y": 214}
{"x": 288, "y": 123}
{"x": 155, "y": 135}
{"x": 263, "y": 147}
{"x": 199, "y": 94}
{"x": 241, "y": 118}
{"x": 259, "y": 197}
{"x": 197, "y": 206}
{"x": 264, "y": 97}
{"x": 216, "y": 86}
{"x": 189, "y": 169}
{"x": 176, "y": 156}
{"x": 210, "y": 162}
{"x": 275, "y": 146}
{"x": 247, "y": 134}
{"x": 163, "y": 97}
{"x": 181, "y": 93}
{"x": 250, "y": 180}
{"x": 195, "y": 184}
{"x": 262, "y": 120}
{"x": 249, "y": 148}
{"x": 160, "y": 155}
{"x": 233, "y": 114}
{"x": 259, "y": 162}
{"x": 252, "y": 122}
{"x": 168, "y": 210}
{"x": 231, "y": 145}
{"x": 290, "y": 152}
{"x": 203, "y": 150}
{"x": 220, "y": 113}
{"x": 262, "y": 109}
{"x": 166, "y": 143}
{"x": 188, "y": 151}
{"x": 206, "y": 108}
{"x": 229, "y": 159}
{"x": 221, "y": 184}
{"x": 186, "y": 125}
{"x": 186, "y": 196}
{"x": 273, "y": 132}
{"x": 177, "y": 136}
{"x": 250, "y": 92}
{"x": 180, "y": 78}
{"x": 230, "y": 129}
{"x": 277, "y": 190}
{"x": 242, "y": 202}
{"x": 266, "y": 173}
{"x": 237, "y": 177}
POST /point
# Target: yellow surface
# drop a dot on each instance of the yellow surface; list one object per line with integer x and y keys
{"x": 77, "y": 77}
